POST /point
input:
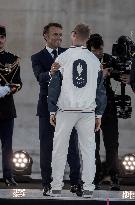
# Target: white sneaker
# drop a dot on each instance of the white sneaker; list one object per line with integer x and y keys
{"x": 55, "y": 193}
{"x": 87, "y": 194}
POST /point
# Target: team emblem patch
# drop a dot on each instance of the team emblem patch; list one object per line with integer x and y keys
{"x": 79, "y": 73}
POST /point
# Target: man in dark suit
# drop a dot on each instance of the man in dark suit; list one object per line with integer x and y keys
{"x": 43, "y": 70}
{"x": 10, "y": 83}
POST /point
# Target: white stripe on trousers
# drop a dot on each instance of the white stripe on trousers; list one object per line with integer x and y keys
{"x": 84, "y": 124}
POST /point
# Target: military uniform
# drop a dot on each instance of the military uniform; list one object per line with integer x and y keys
{"x": 10, "y": 76}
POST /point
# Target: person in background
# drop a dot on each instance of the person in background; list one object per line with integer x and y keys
{"x": 130, "y": 78}
{"x": 10, "y": 83}
{"x": 109, "y": 123}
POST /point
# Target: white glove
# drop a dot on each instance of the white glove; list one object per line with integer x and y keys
{"x": 4, "y": 90}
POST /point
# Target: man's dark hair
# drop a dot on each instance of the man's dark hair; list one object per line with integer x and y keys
{"x": 47, "y": 27}
{"x": 95, "y": 41}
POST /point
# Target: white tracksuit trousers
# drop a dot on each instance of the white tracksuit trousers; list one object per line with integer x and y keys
{"x": 84, "y": 124}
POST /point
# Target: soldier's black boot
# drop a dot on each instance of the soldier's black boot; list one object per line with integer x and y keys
{"x": 10, "y": 182}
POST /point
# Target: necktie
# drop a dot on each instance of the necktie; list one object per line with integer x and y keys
{"x": 55, "y": 54}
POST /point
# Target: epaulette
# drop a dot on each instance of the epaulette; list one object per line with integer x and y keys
{"x": 133, "y": 54}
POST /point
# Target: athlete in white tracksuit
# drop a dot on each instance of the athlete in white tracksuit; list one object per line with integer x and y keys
{"x": 74, "y": 106}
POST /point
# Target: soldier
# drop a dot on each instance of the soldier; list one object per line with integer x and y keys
{"x": 10, "y": 83}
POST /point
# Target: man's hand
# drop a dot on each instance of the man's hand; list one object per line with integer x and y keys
{"x": 14, "y": 87}
{"x": 53, "y": 120}
{"x": 97, "y": 124}
{"x": 54, "y": 68}
{"x": 125, "y": 78}
{"x": 106, "y": 71}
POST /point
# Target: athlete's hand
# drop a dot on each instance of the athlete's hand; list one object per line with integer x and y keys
{"x": 97, "y": 124}
{"x": 53, "y": 120}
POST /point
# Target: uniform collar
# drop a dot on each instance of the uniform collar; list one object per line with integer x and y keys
{"x": 75, "y": 46}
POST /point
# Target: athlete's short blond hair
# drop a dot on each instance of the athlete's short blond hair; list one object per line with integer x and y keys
{"x": 82, "y": 31}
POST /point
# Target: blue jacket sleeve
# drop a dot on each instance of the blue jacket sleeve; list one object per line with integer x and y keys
{"x": 101, "y": 99}
{"x": 54, "y": 90}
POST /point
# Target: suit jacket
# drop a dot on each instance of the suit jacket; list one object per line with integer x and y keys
{"x": 41, "y": 64}
{"x": 9, "y": 74}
